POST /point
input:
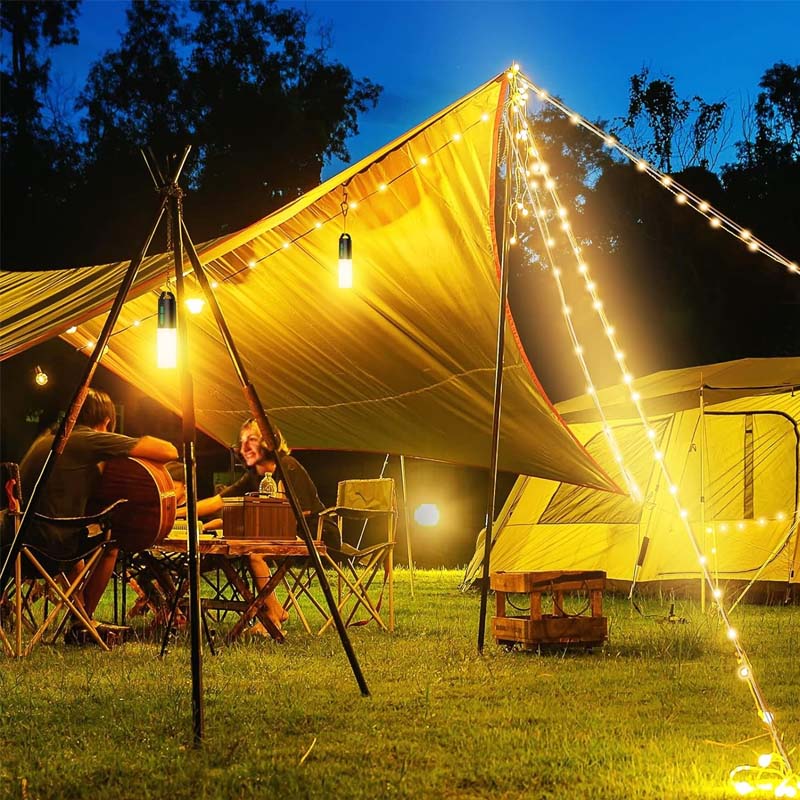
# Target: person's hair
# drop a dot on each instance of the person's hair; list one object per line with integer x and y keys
{"x": 251, "y": 426}
{"x": 176, "y": 471}
{"x": 97, "y": 407}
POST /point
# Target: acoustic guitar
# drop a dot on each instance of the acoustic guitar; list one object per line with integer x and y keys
{"x": 148, "y": 516}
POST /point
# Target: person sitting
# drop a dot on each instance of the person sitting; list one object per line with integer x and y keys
{"x": 262, "y": 461}
{"x": 72, "y": 482}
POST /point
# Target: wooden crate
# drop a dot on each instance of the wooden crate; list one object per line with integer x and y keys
{"x": 557, "y": 629}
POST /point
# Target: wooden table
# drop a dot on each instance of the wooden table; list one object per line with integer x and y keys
{"x": 223, "y": 552}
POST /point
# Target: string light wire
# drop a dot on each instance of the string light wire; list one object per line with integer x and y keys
{"x": 520, "y": 133}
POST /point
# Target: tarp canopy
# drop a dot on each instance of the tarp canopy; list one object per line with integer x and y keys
{"x": 402, "y": 363}
{"x": 736, "y": 465}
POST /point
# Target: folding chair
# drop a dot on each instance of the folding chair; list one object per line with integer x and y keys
{"x": 358, "y": 568}
{"x": 64, "y": 573}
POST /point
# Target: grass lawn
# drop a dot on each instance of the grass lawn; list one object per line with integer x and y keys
{"x": 658, "y": 713}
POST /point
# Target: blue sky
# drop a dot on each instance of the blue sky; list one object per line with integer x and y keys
{"x": 427, "y": 53}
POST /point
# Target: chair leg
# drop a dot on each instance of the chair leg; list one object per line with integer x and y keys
{"x": 64, "y": 599}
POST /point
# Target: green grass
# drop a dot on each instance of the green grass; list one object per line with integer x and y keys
{"x": 658, "y": 713}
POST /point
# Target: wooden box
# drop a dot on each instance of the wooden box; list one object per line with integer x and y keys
{"x": 559, "y": 629}
{"x": 258, "y": 518}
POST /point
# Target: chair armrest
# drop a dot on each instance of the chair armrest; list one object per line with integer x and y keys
{"x": 82, "y": 522}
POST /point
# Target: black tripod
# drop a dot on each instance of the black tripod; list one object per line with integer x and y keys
{"x": 171, "y": 201}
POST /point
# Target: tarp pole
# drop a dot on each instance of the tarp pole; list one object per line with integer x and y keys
{"x": 703, "y": 497}
{"x": 189, "y": 435}
{"x": 68, "y": 423}
{"x": 498, "y": 400}
{"x": 405, "y": 517}
{"x": 268, "y": 432}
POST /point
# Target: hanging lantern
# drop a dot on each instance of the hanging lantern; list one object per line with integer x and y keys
{"x": 167, "y": 337}
{"x": 345, "y": 261}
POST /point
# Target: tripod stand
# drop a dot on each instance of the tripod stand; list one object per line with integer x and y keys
{"x": 171, "y": 201}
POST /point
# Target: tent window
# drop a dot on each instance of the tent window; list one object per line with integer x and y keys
{"x": 577, "y": 504}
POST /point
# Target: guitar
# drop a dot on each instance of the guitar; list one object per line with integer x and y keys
{"x": 148, "y": 516}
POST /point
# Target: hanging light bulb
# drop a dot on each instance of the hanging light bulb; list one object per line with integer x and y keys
{"x": 167, "y": 337}
{"x": 345, "y": 261}
{"x": 40, "y": 377}
{"x": 345, "y": 247}
{"x": 195, "y": 304}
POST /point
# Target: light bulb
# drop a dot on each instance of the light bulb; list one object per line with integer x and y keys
{"x": 345, "y": 261}
{"x": 167, "y": 334}
{"x": 195, "y": 304}
{"x": 72, "y": 329}
{"x": 40, "y": 377}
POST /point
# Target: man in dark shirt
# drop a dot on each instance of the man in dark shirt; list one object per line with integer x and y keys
{"x": 75, "y": 477}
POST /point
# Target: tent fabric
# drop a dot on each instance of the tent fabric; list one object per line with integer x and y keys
{"x": 741, "y": 455}
{"x": 401, "y": 363}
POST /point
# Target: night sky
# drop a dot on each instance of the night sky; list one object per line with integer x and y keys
{"x": 426, "y": 54}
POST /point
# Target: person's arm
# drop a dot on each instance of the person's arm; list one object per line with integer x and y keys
{"x": 205, "y": 507}
{"x": 209, "y": 505}
{"x": 154, "y": 449}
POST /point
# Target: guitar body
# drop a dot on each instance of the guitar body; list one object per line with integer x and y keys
{"x": 149, "y": 514}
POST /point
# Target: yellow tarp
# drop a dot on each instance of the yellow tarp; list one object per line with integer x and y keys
{"x": 401, "y": 363}
{"x": 741, "y": 456}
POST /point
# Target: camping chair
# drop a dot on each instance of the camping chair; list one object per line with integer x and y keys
{"x": 358, "y": 567}
{"x": 63, "y": 573}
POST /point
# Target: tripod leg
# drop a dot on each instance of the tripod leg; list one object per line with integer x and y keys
{"x": 268, "y": 432}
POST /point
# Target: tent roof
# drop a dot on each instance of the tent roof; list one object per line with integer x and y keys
{"x": 677, "y": 389}
{"x": 402, "y": 363}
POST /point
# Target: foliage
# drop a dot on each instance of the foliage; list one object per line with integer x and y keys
{"x": 39, "y": 156}
{"x": 663, "y": 127}
{"x": 659, "y": 712}
{"x": 263, "y": 110}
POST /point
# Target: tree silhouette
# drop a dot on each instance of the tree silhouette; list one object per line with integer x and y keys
{"x": 39, "y": 158}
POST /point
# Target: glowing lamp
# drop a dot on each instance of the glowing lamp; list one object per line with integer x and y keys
{"x": 40, "y": 377}
{"x": 345, "y": 261}
{"x": 167, "y": 336}
{"x": 427, "y": 514}
{"x": 195, "y": 304}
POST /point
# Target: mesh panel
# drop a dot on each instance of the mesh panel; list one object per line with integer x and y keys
{"x": 579, "y": 504}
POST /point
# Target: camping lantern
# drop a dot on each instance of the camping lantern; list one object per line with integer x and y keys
{"x": 345, "y": 261}
{"x": 167, "y": 337}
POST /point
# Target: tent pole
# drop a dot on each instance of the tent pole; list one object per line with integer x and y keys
{"x": 703, "y": 498}
{"x": 405, "y": 517}
{"x": 268, "y": 432}
{"x": 189, "y": 435}
{"x": 498, "y": 399}
{"x": 68, "y": 423}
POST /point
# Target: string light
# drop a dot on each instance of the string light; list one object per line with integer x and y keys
{"x": 745, "y": 670}
{"x": 683, "y": 195}
{"x": 418, "y": 160}
{"x": 40, "y": 376}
